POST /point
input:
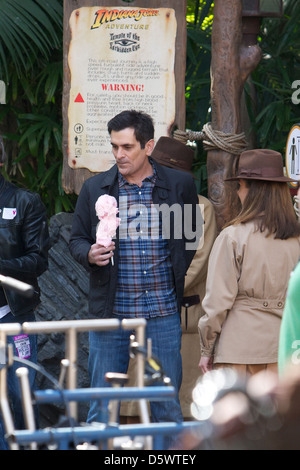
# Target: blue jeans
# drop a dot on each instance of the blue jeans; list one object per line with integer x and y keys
{"x": 109, "y": 352}
{"x": 23, "y": 347}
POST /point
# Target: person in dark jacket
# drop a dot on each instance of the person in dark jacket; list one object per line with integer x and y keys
{"x": 24, "y": 243}
{"x": 150, "y": 258}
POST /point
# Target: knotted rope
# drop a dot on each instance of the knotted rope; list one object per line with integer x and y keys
{"x": 212, "y": 139}
{"x": 296, "y": 206}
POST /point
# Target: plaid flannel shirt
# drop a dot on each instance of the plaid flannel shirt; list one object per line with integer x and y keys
{"x": 145, "y": 277}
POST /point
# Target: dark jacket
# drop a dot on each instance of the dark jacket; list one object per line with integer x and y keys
{"x": 171, "y": 187}
{"x": 24, "y": 243}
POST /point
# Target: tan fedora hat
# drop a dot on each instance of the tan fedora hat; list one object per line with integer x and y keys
{"x": 173, "y": 154}
{"x": 262, "y": 165}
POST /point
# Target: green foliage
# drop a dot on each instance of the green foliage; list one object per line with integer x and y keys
{"x": 28, "y": 28}
{"x": 199, "y": 24}
{"x": 271, "y": 110}
{"x": 273, "y": 79}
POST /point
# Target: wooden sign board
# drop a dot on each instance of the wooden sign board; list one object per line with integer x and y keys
{"x": 118, "y": 55}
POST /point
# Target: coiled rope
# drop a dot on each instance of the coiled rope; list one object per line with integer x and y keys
{"x": 212, "y": 139}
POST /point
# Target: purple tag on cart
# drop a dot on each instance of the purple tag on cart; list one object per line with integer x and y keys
{"x": 22, "y": 344}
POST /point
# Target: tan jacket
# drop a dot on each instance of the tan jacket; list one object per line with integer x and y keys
{"x": 246, "y": 287}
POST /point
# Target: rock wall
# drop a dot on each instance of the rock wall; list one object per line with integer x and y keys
{"x": 64, "y": 288}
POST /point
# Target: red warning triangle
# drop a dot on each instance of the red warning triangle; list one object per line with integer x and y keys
{"x": 79, "y": 99}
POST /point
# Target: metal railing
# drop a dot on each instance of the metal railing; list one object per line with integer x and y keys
{"x": 71, "y": 396}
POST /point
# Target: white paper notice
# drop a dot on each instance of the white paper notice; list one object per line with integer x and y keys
{"x": 119, "y": 58}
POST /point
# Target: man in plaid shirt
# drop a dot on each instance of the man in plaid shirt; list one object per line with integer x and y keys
{"x": 152, "y": 252}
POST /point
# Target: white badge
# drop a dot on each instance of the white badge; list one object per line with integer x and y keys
{"x": 9, "y": 213}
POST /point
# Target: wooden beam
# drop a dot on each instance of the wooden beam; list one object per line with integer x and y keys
{"x": 231, "y": 65}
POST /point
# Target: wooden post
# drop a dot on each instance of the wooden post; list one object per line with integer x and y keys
{"x": 72, "y": 179}
{"x": 231, "y": 64}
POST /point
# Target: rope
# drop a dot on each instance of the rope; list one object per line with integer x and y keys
{"x": 212, "y": 139}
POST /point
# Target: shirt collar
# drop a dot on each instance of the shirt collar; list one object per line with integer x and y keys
{"x": 152, "y": 178}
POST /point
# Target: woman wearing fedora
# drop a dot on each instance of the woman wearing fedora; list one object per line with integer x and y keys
{"x": 249, "y": 270}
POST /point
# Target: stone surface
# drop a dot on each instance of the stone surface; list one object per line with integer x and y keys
{"x": 64, "y": 289}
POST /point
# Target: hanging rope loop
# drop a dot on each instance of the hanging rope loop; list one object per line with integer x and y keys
{"x": 215, "y": 140}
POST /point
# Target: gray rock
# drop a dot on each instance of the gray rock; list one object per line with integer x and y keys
{"x": 64, "y": 289}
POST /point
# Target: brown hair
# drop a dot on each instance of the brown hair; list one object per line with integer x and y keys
{"x": 270, "y": 205}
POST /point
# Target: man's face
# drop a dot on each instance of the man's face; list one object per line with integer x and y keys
{"x": 131, "y": 159}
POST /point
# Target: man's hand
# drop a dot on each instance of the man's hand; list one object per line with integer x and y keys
{"x": 205, "y": 364}
{"x": 100, "y": 254}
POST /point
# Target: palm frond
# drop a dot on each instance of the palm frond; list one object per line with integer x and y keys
{"x": 28, "y": 29}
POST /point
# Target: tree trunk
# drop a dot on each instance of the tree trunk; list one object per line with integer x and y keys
{"x": 232, "y": 62}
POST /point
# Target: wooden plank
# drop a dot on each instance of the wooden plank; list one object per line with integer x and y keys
{"x": 72, "y": 179}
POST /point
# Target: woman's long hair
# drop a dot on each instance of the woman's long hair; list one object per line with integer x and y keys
{"x": 269, "y": 205}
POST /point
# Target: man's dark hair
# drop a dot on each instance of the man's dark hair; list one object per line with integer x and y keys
{"x": 141, "y": 122}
